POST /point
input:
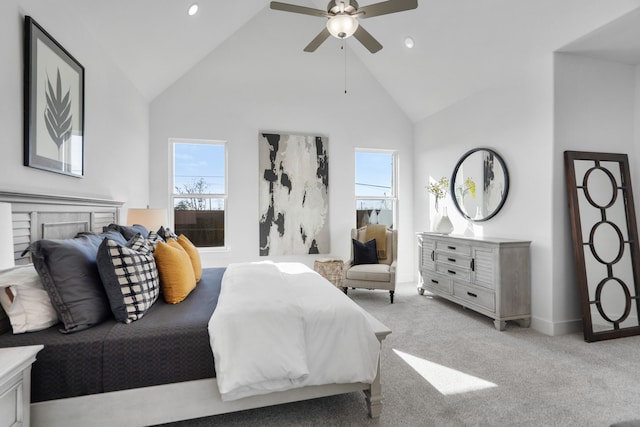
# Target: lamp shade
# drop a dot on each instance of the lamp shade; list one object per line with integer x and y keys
{"x": 342, "y": 25}
{"x": 7, "y": 255}
{"x": 152, "y": 219}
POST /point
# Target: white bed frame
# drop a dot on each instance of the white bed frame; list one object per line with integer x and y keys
{"x": 46, "y": 216}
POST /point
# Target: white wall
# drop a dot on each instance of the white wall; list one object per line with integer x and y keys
{"x": 515, "y": 117}
{"x": 595, "y": 110}
{"x": 515, "y": 121}
{"x": 116, "y": 115}
{"x": 260, "y": 80}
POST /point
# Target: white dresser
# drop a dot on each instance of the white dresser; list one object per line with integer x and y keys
{"x": 15, "y": 384}
{"x": 489, "y": 275}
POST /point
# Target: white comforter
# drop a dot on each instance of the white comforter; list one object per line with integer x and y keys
{"x": 279, "y": 326}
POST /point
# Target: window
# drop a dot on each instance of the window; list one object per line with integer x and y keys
{"x": 376, "y": 198}
{"x": 199, "y": 191}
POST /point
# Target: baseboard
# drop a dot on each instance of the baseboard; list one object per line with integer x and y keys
{"x": 556, "y": 328}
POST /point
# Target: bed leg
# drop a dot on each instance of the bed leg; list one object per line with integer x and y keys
{"x": 374, "y": 396}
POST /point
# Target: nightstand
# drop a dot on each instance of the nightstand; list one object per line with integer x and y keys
{"x": 15, "y": 384}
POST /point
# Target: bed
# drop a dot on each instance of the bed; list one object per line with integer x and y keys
{"x": 131, "y": 395}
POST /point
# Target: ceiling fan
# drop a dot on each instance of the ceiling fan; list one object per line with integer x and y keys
{"x": 343, "y": 18}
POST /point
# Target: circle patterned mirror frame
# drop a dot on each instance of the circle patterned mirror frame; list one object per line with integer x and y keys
{"x": 493, "y": 170}
{"x": 605, "y": 243}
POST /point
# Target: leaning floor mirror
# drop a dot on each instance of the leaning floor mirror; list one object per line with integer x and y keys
{"x": 605, "y": 243}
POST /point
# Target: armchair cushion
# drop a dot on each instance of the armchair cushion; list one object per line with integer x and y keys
{"x": 369, "y": 273}
{"x": 364, "y": 253}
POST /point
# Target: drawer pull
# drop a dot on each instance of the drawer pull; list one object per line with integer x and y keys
{"x": 451, "y": 272}
{"x": 451, "y": 259}
{"x": 453, "y": 248}
{"x": 434, "y": 281}
{"x": 471, "y": 294}
{"x": 433, "y": 255}
{"x": 473, "y": 264}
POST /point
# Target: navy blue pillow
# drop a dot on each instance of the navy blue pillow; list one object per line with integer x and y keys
{"x": 364, "y": 253}
{"x": 128, "y": 231}
{"x": 70, "y": 276}
{"x": 97, "y": 238}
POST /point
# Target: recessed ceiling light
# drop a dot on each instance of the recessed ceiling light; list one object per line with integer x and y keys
{"x": 408, "y": 42}
{"x": 193, "y": 9}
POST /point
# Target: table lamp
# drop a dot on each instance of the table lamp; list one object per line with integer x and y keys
{"x": 152, "y": 219}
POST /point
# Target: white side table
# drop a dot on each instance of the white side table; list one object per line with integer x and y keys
{"x": 15, "y": 384}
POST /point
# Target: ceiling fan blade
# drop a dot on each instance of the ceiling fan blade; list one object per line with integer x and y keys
{"x": 317, "y": 41}
{"x": 367, "y": 40}
{"x": 386, "y": 7}
{"x": 276, "y": 5}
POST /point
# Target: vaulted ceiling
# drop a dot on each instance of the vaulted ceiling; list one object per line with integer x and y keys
{"x": 461, "y": 46}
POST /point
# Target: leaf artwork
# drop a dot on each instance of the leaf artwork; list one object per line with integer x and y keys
{"x": 57, "y": 113}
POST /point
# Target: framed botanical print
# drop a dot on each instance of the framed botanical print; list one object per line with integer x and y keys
{"x": 53, "y": 104}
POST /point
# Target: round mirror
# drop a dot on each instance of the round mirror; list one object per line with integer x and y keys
{"x": 479, "y": 184}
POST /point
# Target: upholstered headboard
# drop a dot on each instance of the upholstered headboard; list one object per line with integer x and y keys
{"x": 40, "y": 216}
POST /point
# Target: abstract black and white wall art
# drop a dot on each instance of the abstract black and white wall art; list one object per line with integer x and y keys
{"x": 294, "y": 194}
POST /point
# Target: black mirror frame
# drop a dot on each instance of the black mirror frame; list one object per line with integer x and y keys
{"x": 506, "y": 184}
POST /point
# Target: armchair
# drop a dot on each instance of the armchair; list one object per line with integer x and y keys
{"x": 373, "y": 276}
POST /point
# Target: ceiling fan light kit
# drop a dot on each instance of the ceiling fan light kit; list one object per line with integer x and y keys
{"x": 342, "y": 26}
{"x": 343, "y": 19}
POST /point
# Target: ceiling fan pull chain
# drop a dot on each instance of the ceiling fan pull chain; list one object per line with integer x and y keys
{"x": 345, "y": 65}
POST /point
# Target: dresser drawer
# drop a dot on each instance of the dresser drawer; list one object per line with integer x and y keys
{"x": 483, "y": 298}
{"x": 457, "y": 260}
{"x": 453, "y": 247}
{"x": 437, "y": 282}
{"x": 454, "y": 271}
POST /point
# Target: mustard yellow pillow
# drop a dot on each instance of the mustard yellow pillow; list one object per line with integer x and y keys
{"x": 176, "y": 273}
{"x": 174, "y": 244}
{"x": 191, "y": 249}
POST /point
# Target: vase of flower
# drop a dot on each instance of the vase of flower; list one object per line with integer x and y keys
{"x": 443, "y": 223}
{"x": 440, "y": 223}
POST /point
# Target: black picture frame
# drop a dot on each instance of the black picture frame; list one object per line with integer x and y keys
{"x": 53, "y": 104}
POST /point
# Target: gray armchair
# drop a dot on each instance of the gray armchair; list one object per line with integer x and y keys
{"x": 373, "y": 276}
